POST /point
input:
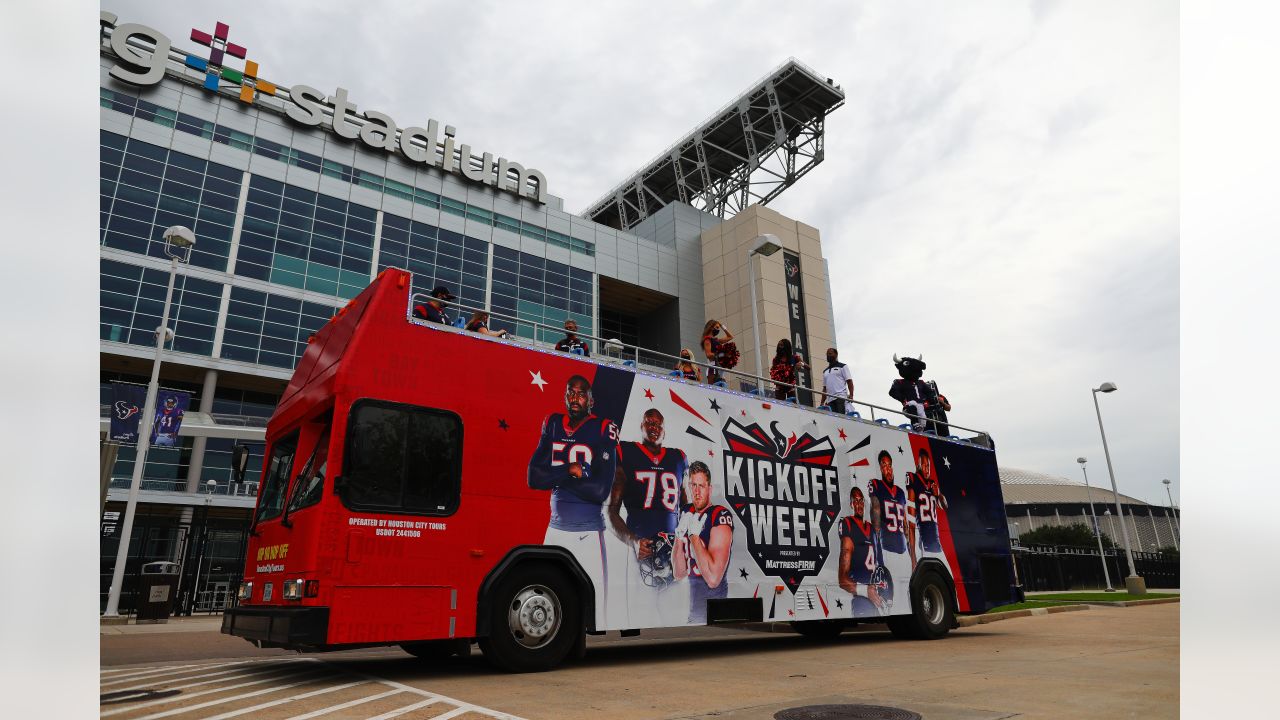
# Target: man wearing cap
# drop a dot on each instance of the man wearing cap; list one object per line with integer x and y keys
{"x": 571, "y": 343}
{"x": 433, "y": 310}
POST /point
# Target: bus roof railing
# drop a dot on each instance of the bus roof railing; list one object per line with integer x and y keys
{"x": 615, "y": 351}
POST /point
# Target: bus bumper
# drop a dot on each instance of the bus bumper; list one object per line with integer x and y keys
{"x": 277, "y": 626}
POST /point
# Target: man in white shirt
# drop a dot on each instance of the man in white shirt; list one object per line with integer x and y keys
{"x": 837, "y": 383}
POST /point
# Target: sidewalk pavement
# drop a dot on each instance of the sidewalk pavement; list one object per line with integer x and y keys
{"x": 194, "y": 623}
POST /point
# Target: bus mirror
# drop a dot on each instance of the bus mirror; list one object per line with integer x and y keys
{"x": 239, "y": 462}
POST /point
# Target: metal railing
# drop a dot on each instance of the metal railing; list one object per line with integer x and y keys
{"x": 614, "y": 351}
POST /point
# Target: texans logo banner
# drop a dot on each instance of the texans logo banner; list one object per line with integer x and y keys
{"x": 126, "y": 411}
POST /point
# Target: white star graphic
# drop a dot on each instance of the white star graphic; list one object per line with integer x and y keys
{"x": 946, "y": 462}
{"x": 537, "y": 379}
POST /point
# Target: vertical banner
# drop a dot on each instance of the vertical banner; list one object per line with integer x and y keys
{"x": 127, "y": 400}
{"x": 799, "y": 328}
{"x": 171, "y": 405}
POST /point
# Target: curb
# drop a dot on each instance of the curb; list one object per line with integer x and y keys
{"x": 971, "y": 620}
{"x": 1134, "y": 603}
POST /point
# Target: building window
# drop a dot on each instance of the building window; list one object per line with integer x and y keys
{"x": 270, "y": 329}
{"x": 131, "y": 300}
{"x": 403, "y": 459}
{"x": 306, "y": 240}
{"x": 144, "y": 189}
{"x": 436, "y": 257}
{"x": 536, "y": 290}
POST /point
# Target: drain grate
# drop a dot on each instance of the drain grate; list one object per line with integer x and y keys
{"x": 124, "y": 696}
{"x": 845, "y": 712}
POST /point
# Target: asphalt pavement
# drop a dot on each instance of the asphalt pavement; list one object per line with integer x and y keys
{"x": 1100, "y": 663}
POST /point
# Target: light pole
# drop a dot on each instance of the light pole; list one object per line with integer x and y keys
{"x": 178, "y": 244}
{"x": 1177, "y": 527}
{"x": 765, "y": 245}
{"x": 1097, "y": 531}
{"x": 1134, "y": 584}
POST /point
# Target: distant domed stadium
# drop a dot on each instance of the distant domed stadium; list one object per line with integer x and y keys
{"x": 1033, "y": 500}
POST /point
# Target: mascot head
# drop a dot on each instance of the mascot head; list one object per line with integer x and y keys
{"x": 910, "y": 368}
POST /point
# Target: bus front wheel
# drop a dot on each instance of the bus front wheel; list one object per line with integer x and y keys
{"x": 535, "y": 619}
{"x": 931, "y": 614}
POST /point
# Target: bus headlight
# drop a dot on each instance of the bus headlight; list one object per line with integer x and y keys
{"x": 293, "y": 589}
{"x": 246, "y": 591}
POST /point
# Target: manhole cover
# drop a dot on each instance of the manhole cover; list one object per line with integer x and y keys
{"x": 845, "y": 712}
{"x": 124, "y": 696}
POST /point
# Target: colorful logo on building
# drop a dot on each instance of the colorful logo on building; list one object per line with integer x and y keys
{"x": 214, "y": 70}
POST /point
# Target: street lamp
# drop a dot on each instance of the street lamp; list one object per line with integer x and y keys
{"x": 178, "y": 242}
{"x": 1134, "y": 584}
{"x": 765, "y": 245}
{"x": 1177, "y": 526}
{"x": 1097, "y": 531}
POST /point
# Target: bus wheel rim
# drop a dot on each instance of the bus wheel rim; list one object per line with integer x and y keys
{"x": 534, "y": 616}
{"x": 932, "y": 604}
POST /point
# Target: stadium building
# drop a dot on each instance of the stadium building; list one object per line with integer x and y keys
{"x": 1034, "y": 500}
{"x": 299, "y": 196}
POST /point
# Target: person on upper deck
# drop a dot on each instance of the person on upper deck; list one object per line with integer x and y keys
{"x": 571, "y": 343}
{"x": 721, "y": 351}
{"x": 783, "y": 371}
{"x": 686, "y": 367}
{"x": 479, "y": 322}
{"x": 837, "y": 384}
{"x": 433, "y": 309}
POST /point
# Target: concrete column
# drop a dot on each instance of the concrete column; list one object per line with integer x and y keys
{"x": 1173, "y": 531}
{"x": 1154, "y": 528}
{"x": 1057, "y": 519}
{"x": 197, "y": 448}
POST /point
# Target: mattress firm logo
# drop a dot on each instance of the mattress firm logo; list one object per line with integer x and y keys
{"x": 308, "y": 106}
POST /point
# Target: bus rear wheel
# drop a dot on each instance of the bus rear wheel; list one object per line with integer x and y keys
{"x": 931, "y": 614}
{"x": 535, "y": 619}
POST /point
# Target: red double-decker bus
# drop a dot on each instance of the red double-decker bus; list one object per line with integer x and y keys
{"x": 429, "y": 487}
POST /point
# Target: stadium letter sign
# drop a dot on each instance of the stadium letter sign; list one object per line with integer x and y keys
{"x": 308, "y": 106}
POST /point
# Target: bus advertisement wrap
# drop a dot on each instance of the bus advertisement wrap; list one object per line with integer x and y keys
{"x": 728, "y": 495}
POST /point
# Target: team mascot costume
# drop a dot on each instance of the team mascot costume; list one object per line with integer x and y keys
{"x": 920, "y": 400}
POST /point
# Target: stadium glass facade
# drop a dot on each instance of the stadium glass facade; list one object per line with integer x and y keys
{"x": 291, "y": 222}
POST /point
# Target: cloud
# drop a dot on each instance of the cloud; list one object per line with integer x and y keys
{"x": 1000, "y": 189}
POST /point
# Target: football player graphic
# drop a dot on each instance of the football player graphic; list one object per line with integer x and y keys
{"x": 926, "y": 497}
{"x": 858, "y": 561}
{"x": 704, "y": 542}
{"x": 164, "y": 431}
{"x": 648, "y": 485}
{"x": 891, "y": 515}
{"x": 575, "y": 460}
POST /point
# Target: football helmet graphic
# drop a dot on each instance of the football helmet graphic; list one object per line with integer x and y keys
{"x": 170, "y": 402}
{"x": 882, "y": 581}
{"x": 656, "y": 570}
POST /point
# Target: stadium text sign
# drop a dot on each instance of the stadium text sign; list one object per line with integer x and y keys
{"x": 308, "y": 106}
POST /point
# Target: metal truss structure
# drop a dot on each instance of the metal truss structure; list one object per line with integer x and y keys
{"x": 748, "y": 152}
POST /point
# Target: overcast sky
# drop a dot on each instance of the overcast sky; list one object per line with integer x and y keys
{"x": 1000, "y": 190}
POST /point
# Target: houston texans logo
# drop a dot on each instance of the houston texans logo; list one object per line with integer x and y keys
{"x": 124, "y": 410}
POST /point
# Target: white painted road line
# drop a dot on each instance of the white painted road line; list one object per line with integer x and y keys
{"x": 238, "y": 674}
{"x": 159, "y": 672}
{"x": 244, "y": 671}
{"x": 131, "y": 671}
{"x": 345, "y": 705}
{"x": 443, "y": 698}
{"x": 233, "y": 698}
{"x": 165, "y": 701}
{"x": 406, "y": 709}
{"x": 281, "y": 701}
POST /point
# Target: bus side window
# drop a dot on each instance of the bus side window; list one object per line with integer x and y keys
{"x": 402, "y": 458}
